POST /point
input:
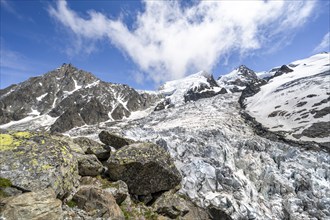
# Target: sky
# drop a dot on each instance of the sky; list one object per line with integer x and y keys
{"x": 146, "y": 43}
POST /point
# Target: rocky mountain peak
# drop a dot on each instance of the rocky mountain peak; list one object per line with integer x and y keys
{"x": 238, "y": 79}
{"x": 70, "y": 97}
{"x": 191, "y": 88}
{"x": 246, "y": 72}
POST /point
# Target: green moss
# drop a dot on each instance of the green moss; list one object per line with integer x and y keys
{"x": 71, "y": 203}
{"x": 22, "y": 134}
{"x": 5, "y": 182}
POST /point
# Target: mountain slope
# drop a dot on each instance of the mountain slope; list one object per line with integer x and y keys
{"x": 67, "y": 98}
{"x": 295, "y": 103}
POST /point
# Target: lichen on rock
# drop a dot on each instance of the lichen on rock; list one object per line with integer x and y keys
{"x": 35, "y": 161}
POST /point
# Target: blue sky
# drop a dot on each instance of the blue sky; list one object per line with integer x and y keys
{"x": 143, "y": 44}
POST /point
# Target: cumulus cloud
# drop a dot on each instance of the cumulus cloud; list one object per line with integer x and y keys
{"x": 324, "y": 45}
{"x": 169, "y": 40}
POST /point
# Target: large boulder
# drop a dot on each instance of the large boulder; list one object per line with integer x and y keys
{"x": 145, "y": 167}
{"x": 33, "y": 205}
{"x": 89, "y": 165}
{"x": 36, "y": 161}
{"x": 171, "y": 205}
{"x": 89, "y": 146}
{"x": 114, "y": 140}
{"x": 119, "y": 190}
{"x": 97, "y": 203}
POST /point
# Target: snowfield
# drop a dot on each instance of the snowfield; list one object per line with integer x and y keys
{"x": 294, "y": 101}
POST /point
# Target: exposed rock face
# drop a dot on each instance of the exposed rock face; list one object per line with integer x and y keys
{"x": 279, "y": 71}
{"x": 166, "y": 103}
{"x": 75, "y": 96}
{"x": 204, "y": 90}
{"x": 201, "y": 93}
{"x": 89, "y": 165}
{"x": 145, "y": 167}
{"x": 33, "y": 205}
{"x": 114, "y": 140}
{"x": 68, "y": 120}
{"x": 89, "y": 146}
{"x": 97, "y": 203}
{"x": 35, "y": 161}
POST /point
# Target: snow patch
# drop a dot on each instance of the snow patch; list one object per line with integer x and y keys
{"x": 39, "y": 98}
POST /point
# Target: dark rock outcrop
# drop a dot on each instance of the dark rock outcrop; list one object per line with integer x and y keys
{"x": 114, "y": 140}
{"x": 145, "y": 167}
{"x": 166, "y": 103}
{"x": 201, "y": 92}
{"x": 68, "y": 120}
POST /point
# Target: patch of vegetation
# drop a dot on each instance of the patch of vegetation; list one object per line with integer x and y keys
{"x": 3, "y": 194}
{"x": 5, "y": 182}
{"x": 138, "y": 211}
{"x": 105, "y": 183}
{"x": 71, "y": 203}
{"x": 150, "y": 215}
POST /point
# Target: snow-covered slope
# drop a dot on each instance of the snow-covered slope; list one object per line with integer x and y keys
{"x": 191, "y": 88}
{"x": 297, "y": 103}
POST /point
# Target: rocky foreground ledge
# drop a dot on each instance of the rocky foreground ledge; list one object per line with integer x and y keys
{"x": 51, "y": 176}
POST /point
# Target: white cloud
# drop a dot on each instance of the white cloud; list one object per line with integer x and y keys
{"x": 324, "y": 45}
{"x": 169, "y": 41}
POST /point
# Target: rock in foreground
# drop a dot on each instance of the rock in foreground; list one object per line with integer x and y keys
{"x": 34, "y": 161}
{"x": 32, "y": 205}
{"x": 145, "y": 167}
{"x": 98, "y": 203}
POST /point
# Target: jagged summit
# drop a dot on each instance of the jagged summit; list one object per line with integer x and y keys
{"x": 238, "y": 79}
